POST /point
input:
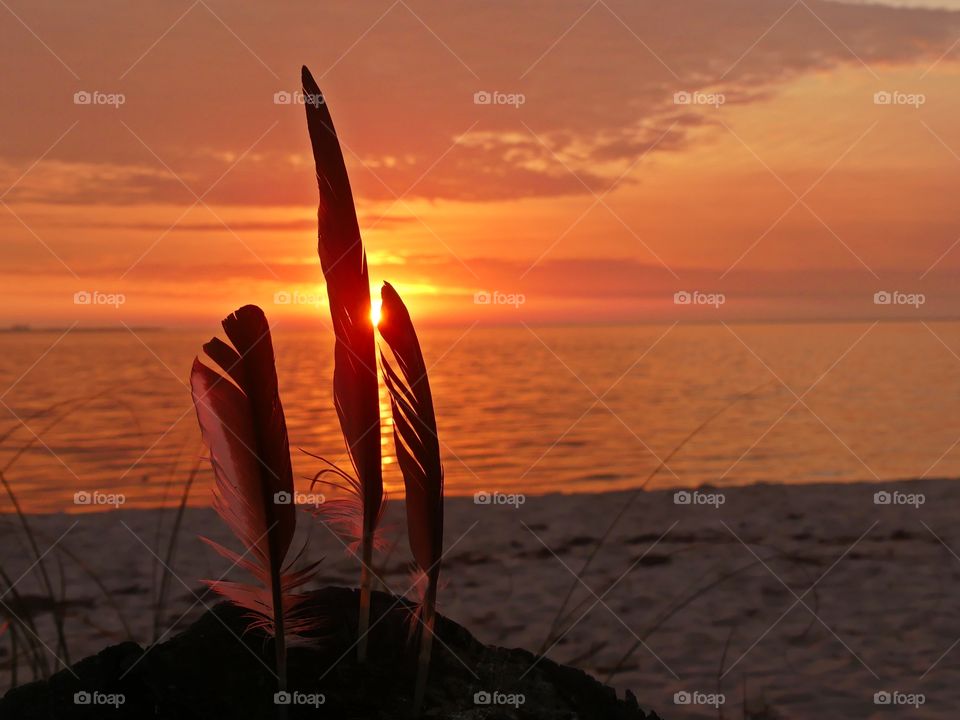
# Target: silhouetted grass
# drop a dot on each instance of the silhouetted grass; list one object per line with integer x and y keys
{"x": 38, "y": 660}
{"x": 161, "y": 596}
{"x": 104, "y": 590}
{"x": 561, "y": 618}
{"x": 25, "y": 640}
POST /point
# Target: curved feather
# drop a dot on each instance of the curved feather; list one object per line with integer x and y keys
{"x": 415, "y": 434}
{"x": 418, "y": 455}
{"x": 344, "y": 265}
{"x": 242, "y": 423}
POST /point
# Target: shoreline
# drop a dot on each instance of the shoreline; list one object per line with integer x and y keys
{"x": 459, "y": 497}
{"x": 876, "y": 585}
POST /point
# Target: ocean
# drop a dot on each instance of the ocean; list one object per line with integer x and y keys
{"x": 521, "y": 409}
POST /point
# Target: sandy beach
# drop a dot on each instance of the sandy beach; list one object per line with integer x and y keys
{"x": 833, "y": 593}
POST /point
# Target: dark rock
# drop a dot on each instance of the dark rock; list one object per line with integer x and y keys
{"x": 215, "y": 670}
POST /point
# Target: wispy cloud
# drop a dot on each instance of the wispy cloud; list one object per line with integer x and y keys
{"x": 599, "y": 97}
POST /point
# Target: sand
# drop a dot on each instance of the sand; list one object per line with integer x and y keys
{"x": 835, "y": 598}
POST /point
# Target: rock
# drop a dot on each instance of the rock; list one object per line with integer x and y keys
{"x": 215, "y": 670}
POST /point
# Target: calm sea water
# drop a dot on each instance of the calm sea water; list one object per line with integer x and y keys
{"x": 530, "y": 410}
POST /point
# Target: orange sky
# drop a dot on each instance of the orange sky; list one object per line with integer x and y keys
{"x": 596, "y": 199}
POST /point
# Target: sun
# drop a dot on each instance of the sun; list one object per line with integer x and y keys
{"x": 375, "y": 314}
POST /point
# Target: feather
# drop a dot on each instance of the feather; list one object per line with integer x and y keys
{"x": 418, "y": 455}
{"x": 355, "y": 385}
{"x": 242, "y": 423}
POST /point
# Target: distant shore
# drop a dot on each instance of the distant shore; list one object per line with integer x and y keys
{"x": 14, "y": 329}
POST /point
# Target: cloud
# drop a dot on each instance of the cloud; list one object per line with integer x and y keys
{"x": 307, "y": 224}
{"x": 199, "y": 108}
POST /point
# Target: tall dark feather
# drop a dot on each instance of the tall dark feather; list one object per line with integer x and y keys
{"x": 418, "y": 455}
{"x": 243, "y": 425}
{"x": 355, "y": 387}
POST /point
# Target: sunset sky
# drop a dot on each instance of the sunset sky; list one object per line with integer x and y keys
{"x": 795, "y": 194}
